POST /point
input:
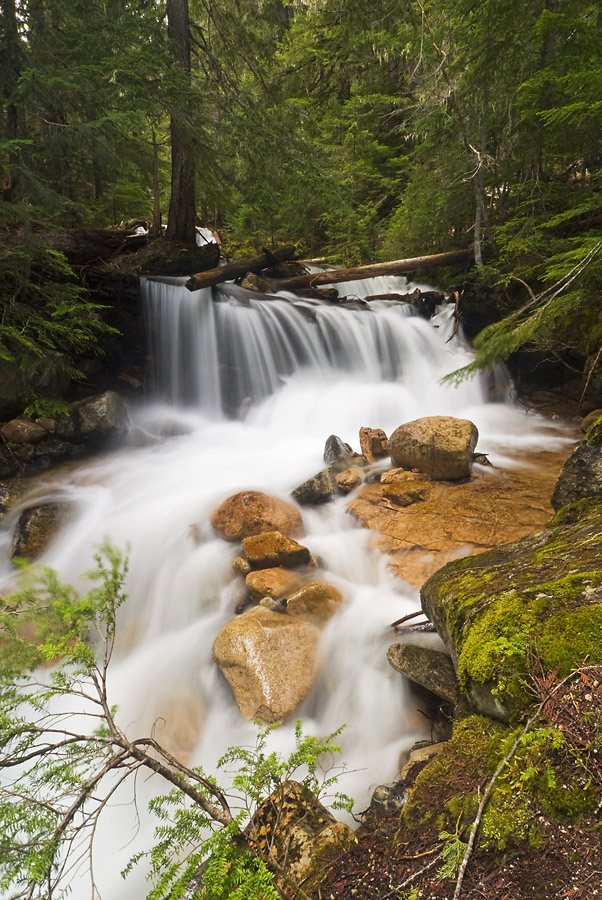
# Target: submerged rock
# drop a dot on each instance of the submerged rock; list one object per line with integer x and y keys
{"x": 441, "y": 446}
{"x": 269, "y": 660}
{"x": 252, "y": 512}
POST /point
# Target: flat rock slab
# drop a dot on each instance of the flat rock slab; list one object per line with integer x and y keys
{"x": 423, "y": 524}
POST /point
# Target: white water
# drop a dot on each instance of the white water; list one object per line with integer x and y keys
{"x": 288, "y": 374}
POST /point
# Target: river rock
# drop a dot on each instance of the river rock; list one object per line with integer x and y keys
{"x": 413, "y": 761}
{"x": 303, "y": 835}
{"x": 389, "y": 798}
{"x": 581, "y": 475}
{"x": 241, "y": 566}
{"x": 251, "y": 512}
{"x": 588, "y": 420}
{"x": 373, "y": 444}
{"x": 269, "y": 660}
{"x": 319, "y": 489}
{"x": 36, "y": 529}
{"x": 315, "y": 602}
{"x": 253, "y": 282}
{"x": 337, "y": 453}
{"x": 23, "y": 430}
{"x": 534, "y": 602}
{"x": 349, "y": 479}
{"x": 432, "y": 669}
{"x": 93, "y": 419}
{"x": 441, "y": 446}
{"x": 272, "y": 548}
{"x": 276, "y": 582}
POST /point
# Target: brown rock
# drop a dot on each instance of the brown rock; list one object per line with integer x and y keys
{"x": 241, "y": 566}
{"x": 303, "y": 836}
{"x": 275, "y": 582}
{"x": 23, "y": 431}
{"x": 316, "y": 602}
{"x": 274, "y": 549}
{"x": 251, "y": 512}
{"x": 349, "y": 479}
{"x": 269, "y": 660}
{"x": 589, "y": 419}
{"x": 430, "y": 668}
{"x": 36, "y": 529}
{"x": 441, "y": 446}
{"x": 373, "y": 444}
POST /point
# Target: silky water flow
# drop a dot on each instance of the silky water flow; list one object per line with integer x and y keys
{"x": 245, "y": 390}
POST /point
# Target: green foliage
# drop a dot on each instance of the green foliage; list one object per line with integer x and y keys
{"x": 60, "y": 740}
{"x": 452, "y": 852}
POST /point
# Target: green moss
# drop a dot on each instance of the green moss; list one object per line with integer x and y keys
{"x": 594, "y": 433}
{"x": 569, "y": 637}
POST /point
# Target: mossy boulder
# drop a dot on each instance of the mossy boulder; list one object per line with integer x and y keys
{"x": 535, "y": 601}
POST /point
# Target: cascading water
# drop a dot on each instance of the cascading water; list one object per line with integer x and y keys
{"x": 248, "y": 388}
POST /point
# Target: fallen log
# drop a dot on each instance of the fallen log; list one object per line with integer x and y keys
{"x": 239, "y": 267}
{"x": 397, "y": 267}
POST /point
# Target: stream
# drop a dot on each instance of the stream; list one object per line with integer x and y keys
{"x": 245, "y": 391}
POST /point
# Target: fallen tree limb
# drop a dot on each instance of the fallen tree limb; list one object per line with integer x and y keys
{"x": 238, "y": 268}
{"x": 397, "y": 267}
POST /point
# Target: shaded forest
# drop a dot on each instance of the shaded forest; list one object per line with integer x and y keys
{"x": 359, "y": 131}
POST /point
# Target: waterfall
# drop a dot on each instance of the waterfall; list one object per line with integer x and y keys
{"x": 246, "y": 390}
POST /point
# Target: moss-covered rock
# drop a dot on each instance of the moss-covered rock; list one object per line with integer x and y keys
{"x": 537, "y": 598}
{"x": 581, "y": 475}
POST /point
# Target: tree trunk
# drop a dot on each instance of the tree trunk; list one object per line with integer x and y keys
{"x": 10, "y": 53}
{"x": 181, "y": 219}
{"x": 156, "y": 226}
{"x": 238, "y": 268}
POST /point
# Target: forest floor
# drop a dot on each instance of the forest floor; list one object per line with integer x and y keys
{"x": 389, "y": 864}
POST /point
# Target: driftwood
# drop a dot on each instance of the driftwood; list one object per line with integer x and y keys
{"x": 397, "y": 267}
{"x": 239, "y": 267}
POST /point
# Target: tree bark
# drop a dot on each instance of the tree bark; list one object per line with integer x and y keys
{"x": 397, "y": 267}
{"x": 181, "y": 218}
{"x": 238, "y": 268}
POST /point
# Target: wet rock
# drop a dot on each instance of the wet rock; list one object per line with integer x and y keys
{"x": 588, "y": 420}
{"x": 389, "y": 798}
{"x": 11, "y": 492}
{"x": 581, "y": 475}
{"x": 373, "y": 444}
{"x": 36, "y": 529}
{"x": 441, "y": 446}
{"x": 269, "y": 660}
{"x": 276, "y": 582}
{"x": 315, "y": 602}
{"x": 253, "y": 282}
{"x": 23, "y": 430}
{"x": 349, "y": 479}
{"x": 93, "y": 419}
{"x": 319, "y": 489}
{"x": 272, "y": 548}
{"x": 303, "y": 835}
{"x": 432, "y": 669}
{"x": 337, "y": 453}
{"x": 251, "y": 512}
{"x": 241, "y": 566}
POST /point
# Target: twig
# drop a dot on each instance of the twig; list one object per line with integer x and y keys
{"x": 406, "y": 618}
{"x": 413, "y": 877}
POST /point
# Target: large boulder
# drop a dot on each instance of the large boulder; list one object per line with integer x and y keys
{"x": 581, "y": 475}
{"x": 430, "y": 668}
{"x": 251, "y": 512}
{"x": 269, "y": 659}
{"x": 441, "y": 446}
{"x": 301, "y": 835}
{"x": 272, "y": 548}
{"x": 533, "y": 606}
